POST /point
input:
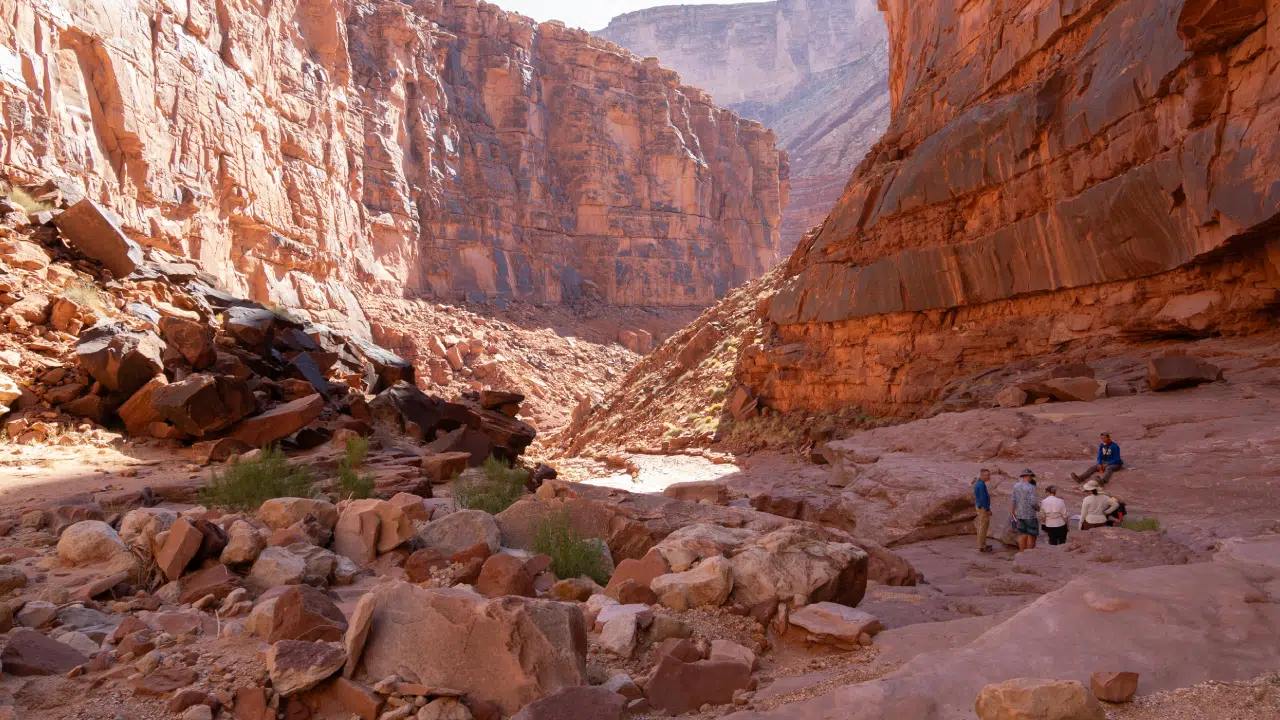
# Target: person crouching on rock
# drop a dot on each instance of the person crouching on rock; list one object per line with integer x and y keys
{"x": 1116, "y": 517}
{"x": 1096, "y": 507}
{"x": 1025, "y": 506}
{"x": 982, "y": 501}
{"x": 1107, "y": 462}
{"x": 1055, "y": 516}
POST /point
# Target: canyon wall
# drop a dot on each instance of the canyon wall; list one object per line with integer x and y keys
{"x": 303, "y": 148}
{"x": 814, "y": 71}
{"x": 1058, "y": 175}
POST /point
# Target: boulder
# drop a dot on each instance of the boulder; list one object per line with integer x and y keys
{"x": 121, "y": 359}
{"x": 295, "y": 665}
{"x": 421, "y": 563}
{"x": 12, "y": 578}
{"x": 180, "y": 548}
{"x": 619, "y": 635}
{"x": 441, "y": 467}
{"x": 142, "y": 525}
{"x": 504, "y": 574}
{"x": 730, "y": 651}
{"x": 279, "y": 422}
{"x": 192, "y": 339}
{"x": 163, "y": 681}
{"x": 1080, "y": 389}
{"x": 692, "y": 543}
{"x": 677, "y": 687}
{"x": 215, "y": 580}
{"x": 369, "y": 527}
{"x": 833, "y": 624}
{"x": 713, "y": 492}
{"x": 280, "y": 513}
{"x": 321, "y": 564}
{"x": 1011, "y": 397}
{"x": 357, "y": 634}
{"x": 89, "y": 542}
{"x": 1036, "y": 699}
{"x": 95, "y": 232}
{"x": 625, "y": 537}
{"x": 532, "y": 647}
{"x": 276, "y": 567}
{"x": 252, "y": 327}
{"x": 1180, "y": 371}
{"x": 576, "y": 703}
{"x": 1114, "y": 687}
{"x": 306, "y": 613}
{"x": 244, "y": 544}
{"x": 207, "y": 451}
{"x": 28, "y": 652}
{"x": 412, "y": 506}
{"x": 708, "y": 584}
{"x": 789, "y": 563}
{"x": 445, "y": 708}
{"x": 461, "y": 531}
{"x": 202, "y": 404}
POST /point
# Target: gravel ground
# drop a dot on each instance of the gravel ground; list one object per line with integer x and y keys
{"x": 1257, "y": 699}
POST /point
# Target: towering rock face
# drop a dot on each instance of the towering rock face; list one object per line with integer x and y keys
{"x": 304, "y": 147}
{"x": 1059, "y": 175}
{"x": 814, "y": 71}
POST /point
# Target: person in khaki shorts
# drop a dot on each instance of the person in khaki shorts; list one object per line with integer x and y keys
{"x": 982, "y": 501}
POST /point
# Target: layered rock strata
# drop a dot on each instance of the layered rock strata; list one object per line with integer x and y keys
{"x": 441, "y": 146}
{"x": 1095, "y": 173}
{"x": 814, "y": 71}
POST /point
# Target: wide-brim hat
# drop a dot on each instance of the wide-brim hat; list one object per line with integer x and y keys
{"x": 1091, "y": 485}
{"x": 1027, "y": 472}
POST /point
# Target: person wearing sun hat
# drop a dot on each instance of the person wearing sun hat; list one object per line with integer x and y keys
{"x": 1096, "y": 506}
{"x": 1025, "y": 505}
{"x": 1107, "y": 462}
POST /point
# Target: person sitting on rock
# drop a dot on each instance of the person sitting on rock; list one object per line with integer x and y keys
{"x": 1096, "y": 506}
{"x": 1025, "y": 505}
{"x": 1107, "y": 462}
{"x": 1115, "y": 517}
{"x": 1055, "y": 516}
{"x": 982, "y": 501}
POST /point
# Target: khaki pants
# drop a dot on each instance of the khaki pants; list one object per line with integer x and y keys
{"x": 984, "y": 522}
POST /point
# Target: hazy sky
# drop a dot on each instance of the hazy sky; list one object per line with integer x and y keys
{"x": 591, "y": 14}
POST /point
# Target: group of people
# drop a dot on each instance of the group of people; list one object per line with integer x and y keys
{"x": 1028, "y": 512}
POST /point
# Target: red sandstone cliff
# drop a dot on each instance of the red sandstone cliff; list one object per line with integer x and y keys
{"x": 299, "y": 148}
{"x": 813, "y": 71}
{"x": 1062, "y": 181}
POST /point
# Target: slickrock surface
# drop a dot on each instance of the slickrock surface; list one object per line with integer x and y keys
{"x": 304, "y": 148}
{"x": 816, "y": 72}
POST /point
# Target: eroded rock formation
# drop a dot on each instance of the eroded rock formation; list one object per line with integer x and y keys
{"x": 1096, "y": 173}
{"x": 814, "y": 71}
{"x": 442, "y": 146}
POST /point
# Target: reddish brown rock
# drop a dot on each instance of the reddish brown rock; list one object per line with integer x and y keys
{"x": 1114, "y": 687}
{"x": 28, "y": 652}
{"x": 420, "y": 564}
{"x": 306, "y": 613}
{"x": 279, "y": 422}
{"x": 1180, "y": 371}
{"x": 161, "y": 682}
{"x": 678, "y": 687}
{"x": 180, "y": 548}
{"x": 95, "y": 231}
{"x": 504, "y": 574}
{"x": 296, "y": 666}
{"x": 348, "y": 696}
{"x": 138, "y": 413}
{"x": 203, "y": 404}
{"x": 709, "y": 491}
{"x": 217, "y": 581}
{"x": 121, "y": 359}
{"x": 193, "y": 339}
{"x": 411, "y": 505}
{"x": 444, "y": 466}
{"x": 577, "y": 703}
{"x": 251, "y": 704}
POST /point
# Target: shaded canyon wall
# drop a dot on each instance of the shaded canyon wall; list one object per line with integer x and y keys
{"x": 1058, "y": 176}
{"x": 814, "y": 71}
{"x": 301, "y": 149}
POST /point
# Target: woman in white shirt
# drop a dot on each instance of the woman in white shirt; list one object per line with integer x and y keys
{"x": 1094, "y": 509}
{"x": 1055, "y": 516}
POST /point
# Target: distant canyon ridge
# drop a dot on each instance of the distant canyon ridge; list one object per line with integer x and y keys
{"x": 814, "y": 71}
{"x": 303, "y": 150}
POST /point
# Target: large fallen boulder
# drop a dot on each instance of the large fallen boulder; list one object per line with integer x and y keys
{"x": 509, "y": 651}
{"x": 1037, "y": 699}
{"x": 1180, "y": 371}
{"x": 788, "y": 564}
{"x": 202, "y": 404}
{"x": 279, "y": 422}
{"x": 370, "y": 527}
{"x": 677, "y": 687}
{"x": 121, "y": 359}
{"x": 95, "y": 232}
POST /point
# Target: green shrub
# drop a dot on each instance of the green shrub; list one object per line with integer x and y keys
{"x": 1143, "y": 525}
{"x": 245, "y": 485}
{"x": 572, "y": 554}
{"x": 495, "y": 488}
{"x": 351, "y": 484}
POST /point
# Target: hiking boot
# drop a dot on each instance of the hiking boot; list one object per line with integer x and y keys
{"x": 986, "y": 549}
{"x": 1075, "y": 477}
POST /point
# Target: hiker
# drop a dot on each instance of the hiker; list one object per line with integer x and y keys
{"x": 1107, "y": 462}
{"x": 1096, "y": 506}
{"x": 982, "y": 501}
{"x": 1115, "y": 517}
{"x": 1055, "y": 516}
{"x": 1023, "y": 510}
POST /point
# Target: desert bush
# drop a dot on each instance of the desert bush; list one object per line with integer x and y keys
{"x": 352, "y": 485}
{"x": 495, "y": 488}
{"x": 246, "y": 484}
{"x": 87, "y": 295}
{"x": 23, "y": 199}
{"x": 572, "y": 554}
{"x": 1143, "y": 525}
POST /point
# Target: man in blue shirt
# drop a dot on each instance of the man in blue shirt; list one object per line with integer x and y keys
{"x": 982, "y": 501}
{"x": 1107, "y": 462}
